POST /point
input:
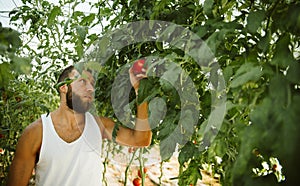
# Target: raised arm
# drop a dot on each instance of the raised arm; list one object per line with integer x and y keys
{"x": 25, "y": 156}
{"x": 141, "y": 135}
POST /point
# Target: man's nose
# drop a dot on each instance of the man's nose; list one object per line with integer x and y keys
{"x": 90, "y": 87}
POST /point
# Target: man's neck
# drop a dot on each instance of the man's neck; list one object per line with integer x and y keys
{"x": 68, "y": 116}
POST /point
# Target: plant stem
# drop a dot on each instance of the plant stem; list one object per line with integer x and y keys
{"x": 161, "y": 172}
{"x": 141, "y": 160}
{"x": 108, "y": 149}
{"x": 127, "y": 167}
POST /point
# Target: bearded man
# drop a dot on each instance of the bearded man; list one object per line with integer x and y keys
{"x": 64, "y": 146}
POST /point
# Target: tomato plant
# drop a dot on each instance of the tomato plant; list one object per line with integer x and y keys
{"x": 254, "y": 43}
{"x": 141, "y": 173}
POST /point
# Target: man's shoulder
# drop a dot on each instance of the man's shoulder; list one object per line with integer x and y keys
{"x": 34, "y": 127}
{"x": 103, "y": 120}
{"x": 32, "y": 135}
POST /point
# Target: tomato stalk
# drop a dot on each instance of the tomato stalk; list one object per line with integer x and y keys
{"x": 161, "y": 172}
{"x": 127, "y": 167}
{"x": 106, "y": 160}
{"x": 141, "y": 161}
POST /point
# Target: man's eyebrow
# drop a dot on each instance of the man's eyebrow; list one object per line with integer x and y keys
{"x": 84, "y": 76}
{"x": 77, "y": 76}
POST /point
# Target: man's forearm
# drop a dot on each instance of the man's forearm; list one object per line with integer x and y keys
{"x": 142, "y": 127}
{"x": 142, "y": 122}
{"x": 142, "y": 111}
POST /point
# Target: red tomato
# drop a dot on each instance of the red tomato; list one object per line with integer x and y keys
{"x": 138, "y": 66}
{"x": 274, "y": 168}
{"x": 137, "y": 182}
{"x": 131, "y": 149}
{"x": 1, "y": 151}
{"x": 139, "y": 172}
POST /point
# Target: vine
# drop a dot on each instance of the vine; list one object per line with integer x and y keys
{"x": 255, "y": 43}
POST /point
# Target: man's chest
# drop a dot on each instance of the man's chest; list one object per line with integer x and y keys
{"x": 69, "y": 135}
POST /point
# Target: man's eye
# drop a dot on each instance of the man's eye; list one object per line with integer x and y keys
{"x": 83, "y": 80}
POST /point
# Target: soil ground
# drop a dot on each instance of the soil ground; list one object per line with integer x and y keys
{"x": 115, "y": 174}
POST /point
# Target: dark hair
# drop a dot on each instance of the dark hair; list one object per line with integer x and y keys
{"x": 64, "y": 75}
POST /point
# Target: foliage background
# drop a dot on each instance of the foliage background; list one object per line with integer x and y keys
{"x": 256, "y": 44}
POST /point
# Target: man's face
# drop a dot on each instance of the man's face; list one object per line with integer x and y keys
{"x": 81, "y": 91}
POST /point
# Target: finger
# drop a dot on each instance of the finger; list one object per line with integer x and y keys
{"x": 140, "y": 76}
{"x": 130, "y": 70}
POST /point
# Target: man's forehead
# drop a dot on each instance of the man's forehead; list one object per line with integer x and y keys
{"x": 85, "y": 74}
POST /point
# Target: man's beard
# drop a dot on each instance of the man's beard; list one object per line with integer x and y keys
{"x": 75, "y": 103}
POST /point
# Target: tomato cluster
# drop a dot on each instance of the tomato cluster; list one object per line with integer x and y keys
{"x": 138, "y": 180}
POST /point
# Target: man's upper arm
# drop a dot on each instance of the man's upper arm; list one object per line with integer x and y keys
{"x": 125, "y": 136}
{"x": 25, "y": 155}
{"x": 106, "y": 126}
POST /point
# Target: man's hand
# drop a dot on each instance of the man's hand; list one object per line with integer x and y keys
{"x": 135, "y": 78}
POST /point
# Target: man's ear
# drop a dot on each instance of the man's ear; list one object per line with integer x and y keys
{"x": 63, "y": 89}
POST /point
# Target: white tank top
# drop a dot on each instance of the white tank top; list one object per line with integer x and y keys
{"x": 70, "y": 164}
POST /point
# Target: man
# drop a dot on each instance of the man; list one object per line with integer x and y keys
{"x": 64, "y": 147}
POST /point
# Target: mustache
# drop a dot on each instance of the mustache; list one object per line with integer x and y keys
{"x": 74, "y": 102}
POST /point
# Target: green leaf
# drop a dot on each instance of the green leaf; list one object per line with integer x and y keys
{"x": 214, "y": 75}
{"x": 157, "y": 111}
{"x": 293, "y": 73}
{"x": 10, "y": 40}
{"x": 288, "y": 19}
{"x": 146, "y": 91}
{"x": 159, "y": 46}
{"x": 81, "y": 31}
{"x": 95, "y": 66}
{"x": 172, "y": 74}
{"x": 79, "y": 48}
{"x": 187, "y": 121}
{"x": 67, "y": 81}
{"x": 103, "y": 44}
{"x": 186, "y": 153}
{"x": 261, "y": 114}
{"x": 227, "y": 73}
{"x": 21, "y": 65}
{"x": 207, "y": 7}
{"x": 254, "y": 20}
{"x": 167, "y": 148}
{"x": 87, "y": 20}
{"x": 66, "y": 25}
{"x": 242, "y": 77}
{"x": 5, "y": 74}
{"x": 3, "y": 48}
{"x": 165, "y": 35}
{"x": 282, "y": 55}
{"x": 244, "y": 68}
{"x": 216, "y": 39}
{"x": 115, "y": 131}
{"x": 264, "y": 42}
{"x": 279, "y": 90}
{"x": 191, "y": 175}
{"x": 220, "y": 148}
{"x": 53, "y": 14}
{"x": 202, "y": 30}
